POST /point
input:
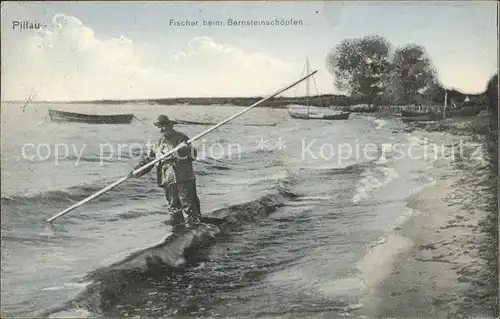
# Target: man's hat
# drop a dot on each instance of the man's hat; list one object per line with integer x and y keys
{"x": 163, "y": 120}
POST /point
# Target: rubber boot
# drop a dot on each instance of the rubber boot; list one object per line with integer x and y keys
{"x": 175, "y": 219}
{"x": 192, "y": 220}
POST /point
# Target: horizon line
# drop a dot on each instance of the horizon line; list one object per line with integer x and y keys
{"x": 200, "y": 97}
{"x": 169, "y": 98}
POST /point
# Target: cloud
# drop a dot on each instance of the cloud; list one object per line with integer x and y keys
{"x": 66, "y": 60}
{"x": 230, "y": 71}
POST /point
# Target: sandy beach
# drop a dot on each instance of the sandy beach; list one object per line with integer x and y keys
{"x": 446, "y": 260}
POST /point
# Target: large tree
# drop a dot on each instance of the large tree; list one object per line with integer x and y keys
{"x": 359, "y": 66}
{"x": 412, "y": 73}
{"x": 492, "y": 93}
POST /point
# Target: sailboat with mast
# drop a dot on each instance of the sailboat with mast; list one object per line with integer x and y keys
{"x": 309, "y": 115}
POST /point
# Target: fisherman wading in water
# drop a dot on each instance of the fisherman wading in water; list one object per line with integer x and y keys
{"x": 174, "y": 174}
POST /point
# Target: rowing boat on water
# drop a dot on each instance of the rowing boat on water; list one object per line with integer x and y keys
{"x": 318, "y": 116}
{"x": 62, "y": 116}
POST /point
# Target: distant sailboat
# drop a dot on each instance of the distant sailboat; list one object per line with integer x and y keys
{"x": 308, "y": 115}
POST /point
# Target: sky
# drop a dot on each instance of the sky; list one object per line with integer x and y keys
{"x": 126, "y": 50}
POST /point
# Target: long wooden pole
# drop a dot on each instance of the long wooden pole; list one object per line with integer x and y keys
{"x": 184, "y": 144}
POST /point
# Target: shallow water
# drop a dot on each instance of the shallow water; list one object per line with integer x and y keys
{"x": 304, "y": 218}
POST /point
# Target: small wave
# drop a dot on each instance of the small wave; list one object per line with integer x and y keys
{"x": 405, "y": 215}
{"x": 418, "y": 140}
{"x": 66, "y": 286}
{"x": 342, "y": 287}
{"x": 212, "y": 169}
{"x": 51, "y": 199}
{"x": 277, "y": 177}
{"x": 134, "y": 214}
{"x": 219, "y": 167}
{"x": 380, "y": 123}
{"x": 39, "y": 239}
{"x": 373, "y": 180}
{"x": 357, "y": 168}
{"x": 93, "y": 159}
{"x": 379, "y": 241}
{"x": 73, "y": 313}
{"x": 211, "y": 166}
{"x": 375, "y": 265}
{"x": 259, "y": 151}
{"x": 70, "y": 195}
{"x": 301, "y": 310}
{"x": 381, "y": 160}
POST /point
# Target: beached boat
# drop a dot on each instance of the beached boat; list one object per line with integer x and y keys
{"x": 415, "y": 113}
{"x": 462, "y": 111}
{"x": 441, "y": 113}
{"x": 62, "y": 116}
{"x": 319, "y": 116}
{"x": 422, "y": 114}
{"x": 308, "y": 115}
{"x": 419, "y": 118}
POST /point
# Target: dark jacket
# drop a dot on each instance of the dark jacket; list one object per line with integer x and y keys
{"x": 177, "y": 168}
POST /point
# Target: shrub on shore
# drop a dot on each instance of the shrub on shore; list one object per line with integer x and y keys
{"x": 492, "y": 92}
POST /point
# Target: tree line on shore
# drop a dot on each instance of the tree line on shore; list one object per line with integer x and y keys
{"x": 368, "y": 69}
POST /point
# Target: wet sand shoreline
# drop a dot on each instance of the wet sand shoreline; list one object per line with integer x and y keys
{"x": 447, "y": 267}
